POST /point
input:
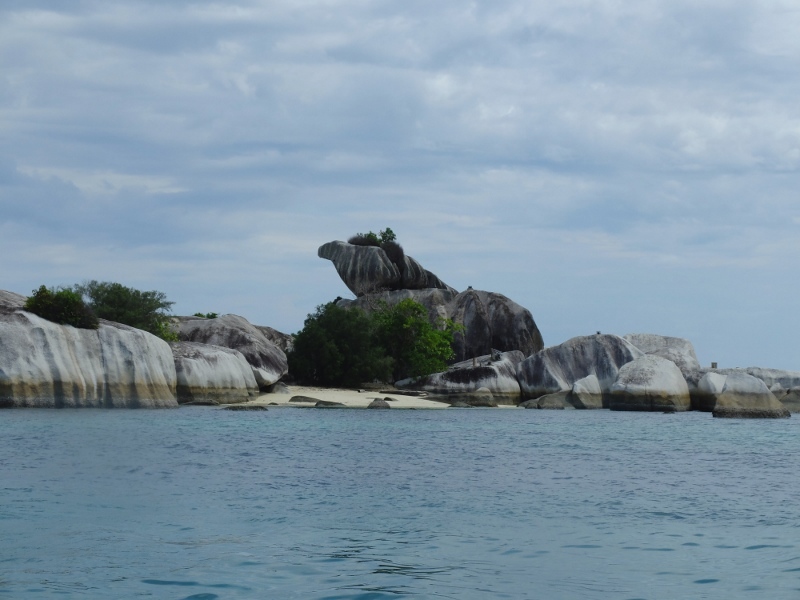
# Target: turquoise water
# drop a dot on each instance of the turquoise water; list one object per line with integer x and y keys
{"x": 200, "y": 504}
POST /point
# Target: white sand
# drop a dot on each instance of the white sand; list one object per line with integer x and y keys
{"x": 350, "y": 398}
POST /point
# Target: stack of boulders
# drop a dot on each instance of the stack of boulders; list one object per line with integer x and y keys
{"x": 218, "y": 361}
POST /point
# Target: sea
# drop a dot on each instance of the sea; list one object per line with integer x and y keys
{"x": 201, "y": 503}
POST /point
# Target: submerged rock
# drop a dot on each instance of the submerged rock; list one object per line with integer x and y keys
{"x": 379, "y": 403}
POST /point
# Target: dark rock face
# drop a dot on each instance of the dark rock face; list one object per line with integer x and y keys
{"x": 650, "y": 383}
{"x": 791, "y": 400}
{"x": 490, "y": 321}
{"x": 379, "y": 403}
{"x": 246, "y": 407}
{"x": 497, "y": 374}
{"x": 557, "y": 368}
{"x": 284, "y": 341}
{"x": 368, "y": 269}
{"x": 231, "y": 331}
{"x": 212, "y": 374}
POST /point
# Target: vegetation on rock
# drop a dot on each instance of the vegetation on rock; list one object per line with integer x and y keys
{"x": 348, "y": 346}
{"x": 209, "y": 315}
{"x": 143, "y": 310}
{"x": 63, "y": 306}
{"x": 373, "y": 239}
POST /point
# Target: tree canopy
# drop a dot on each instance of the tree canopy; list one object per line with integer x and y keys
{"x": 63, "y": 306}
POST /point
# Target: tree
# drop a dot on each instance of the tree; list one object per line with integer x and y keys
{"x": 416, "y": 347}
{"x": 142, "y": 310}
{"x": 337, "y": 346}
{"x": 63, "y": 306}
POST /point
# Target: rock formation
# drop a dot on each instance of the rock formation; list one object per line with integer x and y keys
{"x": 649, "y": 383}
{"x": 43, "y": 364}
{"x": 738, "y": 395}
{"x": 231, "y": 331}
{"x": 497, "y": 375}
{"x": 212, "y": 374}
{"x": 368, "y": 269}
{"x": 557, "y": 368}
{"x": 586, "y": 393}
{"x": 678, "y": 350}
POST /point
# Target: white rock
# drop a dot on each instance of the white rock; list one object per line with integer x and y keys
{"x": 650, "y": 383}
{"x": 212, "y": 374}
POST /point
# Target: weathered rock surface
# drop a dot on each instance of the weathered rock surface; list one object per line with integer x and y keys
{"x": 379, "y": 403}
{"x": 650, "y": 383}
{"x": 498, "y": 377}
{"x": 246, "y": 407}
{"x": 791, "y": 400}
{"x": 586, "y": 393}
{"x": 678, "y": 350}
{"x": 231, "y": 331}
{"x": 555, "y": 401}
{"x": 557, "y": 368}
{"x": 9, "y": 301}
{"x": 368, "y": 269}
{"x": 490, "y": 320}
{"x": 212, "y": 374}
{"x": 739, "y": 395}
{"x": 284, "y": 341}
{"x": 43, "y": 364}
{"x": 329, "y": 404}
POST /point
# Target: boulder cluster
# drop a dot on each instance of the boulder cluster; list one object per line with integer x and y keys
{"x": 218, "y": 361}
{"x": 500, "y": 357}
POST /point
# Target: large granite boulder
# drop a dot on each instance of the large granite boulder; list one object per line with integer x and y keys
{"x": 738, "y": 395}
{"x": 557, "y": 368}
{"x": 497, "y": 374}
{"x": 368, "y": 269}
{"x": 586, "y": 393}
{"x": 678, "y": 350}
{"x": 791, "y": 400}
{"x": 490, "y": 321}
{"x": 212, "y": 374}
{"x": 650, "y": 383}
{"x": 232, "y": 331}
{"x": 43, "y": 364}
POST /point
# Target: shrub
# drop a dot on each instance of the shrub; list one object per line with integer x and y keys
{"x": 373, "y": 239}
{"x": 337, "y": 346}
{"x": 210, "y": 315}
{"x": 395, "y": 253}
{"x": 63, "y": 306}
{"x": 121, "y": 304}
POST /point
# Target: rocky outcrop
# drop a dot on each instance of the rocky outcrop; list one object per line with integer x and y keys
{"x": 496, "y": 374}
{"x": 586, "y": 393}
{"x": 649, "y": 383}
{"x": 791, "y": 400}
{"x": 284, "y": 341}
{"x": 678, "y": 350}
{"x": 368, "y": 269}
{"x": 212, "y": 374}
{"x": 738, "y": 395}
{"x": 231, "y": 331}
{"x": 489, "y": 320}
{"x": 43, "y": 364}
{"x": 557, "y": 368}
{"x": 379, "y": 403}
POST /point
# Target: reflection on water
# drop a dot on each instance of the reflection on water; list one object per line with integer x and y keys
{"x": 203, "y": 504}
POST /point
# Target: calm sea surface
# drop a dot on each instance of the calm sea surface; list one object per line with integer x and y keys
{"x": 201, "y": 503}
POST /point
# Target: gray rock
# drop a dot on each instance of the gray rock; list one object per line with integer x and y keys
{"x": 231, "y": 331}
{"x": 43, "y": 364}
{"x": 379, "y": 403}
{"x": 552, "y": 401}
{"x": 586, "y": 393}
{"x": 650, "y": 383}
{"x": 9, "y": 302}
{"x": 284, "y": 341}
{"x": 328, "y": 404}
{"x": 498, "y": 377}
{"x": 367, "y": 269}
{"x": 304, "y": 400}
{"x": 791, "y": 400}
{"x": 278, "y": 388}
{"x": 556, "y": 369}
{"x": 246, "y": 407}
{"x": 678, "y": 350}
{"x": 739, "y": 395}
{"x": 212, "y": 374}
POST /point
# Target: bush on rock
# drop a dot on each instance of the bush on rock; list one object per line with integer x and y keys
{"x": 62, "y": 306}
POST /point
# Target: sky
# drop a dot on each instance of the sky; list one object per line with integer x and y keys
{"x": 611, "y": 166}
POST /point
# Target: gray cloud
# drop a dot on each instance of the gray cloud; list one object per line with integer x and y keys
{"x": 615, "y": 167}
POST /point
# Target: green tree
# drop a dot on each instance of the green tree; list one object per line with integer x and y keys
{"x": 63, "y": 306}
{"x": 337, "y": 346}
{"x": 143, "y": 310}
{"x": 416, "y": 347}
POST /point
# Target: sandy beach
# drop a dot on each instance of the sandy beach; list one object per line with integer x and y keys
{"x": 351, "y": 398}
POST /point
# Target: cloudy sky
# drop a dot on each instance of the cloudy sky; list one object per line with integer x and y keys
{"x": 614, "y": 166}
